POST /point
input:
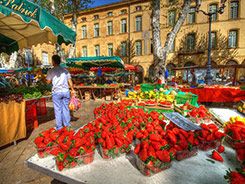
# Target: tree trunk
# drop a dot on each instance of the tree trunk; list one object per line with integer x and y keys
{"x": 159, "y": 52}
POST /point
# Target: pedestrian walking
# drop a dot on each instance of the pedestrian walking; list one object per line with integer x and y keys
{"x": 61, "y": 81}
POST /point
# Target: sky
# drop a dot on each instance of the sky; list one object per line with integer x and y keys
{"x": 103, "y": 2}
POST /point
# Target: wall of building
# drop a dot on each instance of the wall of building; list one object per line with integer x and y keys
{"x": 222, "y": 26}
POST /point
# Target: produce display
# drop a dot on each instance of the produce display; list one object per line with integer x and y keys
{"x": 200, "y": 114}
{"x": 159, "y": 95}
{"x": 236, "y": 177}
{"x": 235, "y": 130}
{"x": 116, "y": 130}
{"x": 32, "y": 92}
{"x": 11, "y": 97}
{"x": 241, "y": 107}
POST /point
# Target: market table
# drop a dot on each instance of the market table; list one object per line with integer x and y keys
{"x": 12, "y": 122}
{"x": 91, "y": 89}
{"x": 123, "y": 170}
{"x": 217, "y": 94}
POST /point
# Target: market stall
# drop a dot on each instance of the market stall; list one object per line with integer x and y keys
{"x": 100, "y": 65}
{"x": 217, "y": 93}
{"x": 22, "y": 25}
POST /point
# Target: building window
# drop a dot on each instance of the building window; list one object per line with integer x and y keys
{"x": 96, "y": 17}
{"x": 84, "y": 51}
{"x": 123, "y": 12}
{"x": 138, "y": 8}
{"x": 213, "y": 40}
{"x": 83, "y": 19}
{"x": 124, "y": 49}
{"x": 191, "y": 16}
{"x": 138, "y": 48}
{"x": 171, "y": 17}
{"x": 97, "y": 50}
{"x": 110, "y": 49}
{"x": 213, "y": 9}
{"x": 109, "y": 14}
{"x": 123, "y": 26}
{"x": 234, "y": 8}
{"x": 190, "y": 41}
{"x": 45, "y": 60}
{"x": 138, "y": 23}
{"x": 233, "y": 39}
{"x": 84, "y": 31}
{"x": 109, "y": 28}
{"x": 96, "y": 30}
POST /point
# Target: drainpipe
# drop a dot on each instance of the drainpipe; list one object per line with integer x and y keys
{"x": 129, "y": 44}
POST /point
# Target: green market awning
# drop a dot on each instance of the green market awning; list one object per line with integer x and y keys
{"x": 28, "y": 24}
{"x": 98, "y": 61}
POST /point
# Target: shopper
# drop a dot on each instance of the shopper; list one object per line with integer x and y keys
{"x": 61, "y": 80}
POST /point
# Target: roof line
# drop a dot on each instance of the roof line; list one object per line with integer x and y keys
{"x": 106, "y": 6}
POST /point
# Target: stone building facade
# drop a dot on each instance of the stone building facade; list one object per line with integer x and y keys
{"x": 107, "y": 30}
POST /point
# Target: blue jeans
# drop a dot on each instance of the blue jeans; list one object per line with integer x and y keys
{"x": 61, "y": 109}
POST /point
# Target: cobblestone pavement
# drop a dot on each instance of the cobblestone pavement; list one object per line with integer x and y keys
{"x": 13, "y": 169}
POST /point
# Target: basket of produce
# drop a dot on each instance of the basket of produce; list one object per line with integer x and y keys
{"x": 150, "y": 160}
{"x": 209, "y": 137}
{"x": 200, "y": 115}
{"x": 234, "y": 130}
{"x": 187, "y": 153}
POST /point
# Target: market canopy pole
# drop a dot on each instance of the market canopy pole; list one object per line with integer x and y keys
{"x": 29, "y": 24}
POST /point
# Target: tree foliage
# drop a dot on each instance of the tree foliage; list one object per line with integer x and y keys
{"x": 62, "y": 7}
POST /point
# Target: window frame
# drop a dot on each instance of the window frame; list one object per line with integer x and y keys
{"x": 140, "y": 29}
{"x": 121, "y": 26}
{"x": 230, "y": 9}
{"x": 95, "y": 48}
{"x": 110, "y": 14}
{"x": 83, "y": 51}
{"x": 138, "y": 8}
{"x": 95, "y": 28}
{"x": 212, "y": 45}
{"x": 171, "y": 25}
{"x": 237, "y": 38}
{"x": 216, "y": 14}
{"x": 193, "y": 13}
{"x": 86, "y": 35}
{"x": 111, "y": 26}
{"x": 96, "y": 17}
{"x": 136, "y": 48}
{"x": 126, "y": 52}
{"x": 187, "y": 41}
{"x": 108, "y": 49}
{"x": 123, "y": 12}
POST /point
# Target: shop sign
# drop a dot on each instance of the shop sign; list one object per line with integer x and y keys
{"x": 22, "y": 7}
